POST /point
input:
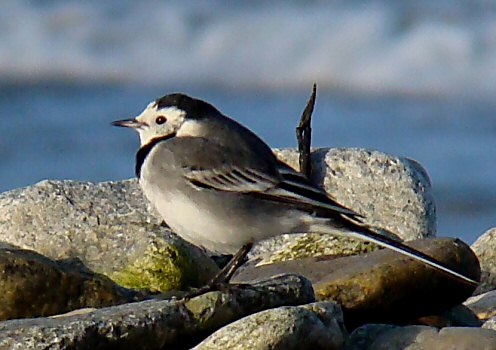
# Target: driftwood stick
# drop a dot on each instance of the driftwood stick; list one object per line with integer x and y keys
{"x": 304, "y": 134}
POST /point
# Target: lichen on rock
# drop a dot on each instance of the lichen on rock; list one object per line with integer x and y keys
{"x": 163, "y": 267}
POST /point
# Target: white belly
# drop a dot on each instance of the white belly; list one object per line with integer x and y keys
{"x": 221, "y": 223}
{"x": 196, "y": 224}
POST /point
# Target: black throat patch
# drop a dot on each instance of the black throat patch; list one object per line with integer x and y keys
{"x": 145, "y": 150}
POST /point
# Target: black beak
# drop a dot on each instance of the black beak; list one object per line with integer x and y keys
{"x": 128, "y": 123}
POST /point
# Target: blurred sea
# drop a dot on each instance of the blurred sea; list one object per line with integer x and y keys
{"x": 414, "y": 78}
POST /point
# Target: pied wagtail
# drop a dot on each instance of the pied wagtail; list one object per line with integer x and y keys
{"x": 219, "y": 186}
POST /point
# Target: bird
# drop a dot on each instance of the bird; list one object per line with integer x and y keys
{"x": 219, "y": 186}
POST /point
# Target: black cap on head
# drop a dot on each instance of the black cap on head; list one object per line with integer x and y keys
{"x": 194, "y": 108}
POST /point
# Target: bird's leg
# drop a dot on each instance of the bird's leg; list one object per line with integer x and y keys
{"x": 225, "y": 275}
{"x": 221, "y": 280}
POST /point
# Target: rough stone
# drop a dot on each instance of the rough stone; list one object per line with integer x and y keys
{"x": 108, "y": 227}
{"x": 387, "y": 337}
{"x": 393, "y": 193}
{"x": 154, "y": 324}
{"x": 313, "y": 326}
{"x": 33, "y": 285}
{"x": 485, "y": 249}
{"x": 459, "y": 316}
{"x": 384, "y": 286}
{"x": 483, "y": 305}
{"x": 490, "y": 324}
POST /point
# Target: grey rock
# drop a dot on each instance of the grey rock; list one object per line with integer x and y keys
{"x": 82, "y": 311}
{"x": 362, "y": 337}
{"x": 485, "y": 248}
{"x": 458, "y": 316}
{"x": 490, "y": 324}
{"x": 313, "y": 326}
{"x": 383, "y": 286}
{"x": 483, "y": 305}
{"x": 461, "y": 316}
{"x": 393, "y": 193}
{"x": 108, "y": 227}
{"x": 385, "y": 337}
{"x": 154, "y": 324}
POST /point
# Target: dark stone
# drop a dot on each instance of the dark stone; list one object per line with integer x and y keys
{"x": 33, "y": 285}
{"x": 381, "y": 337}
{"x": 155, "y": 324}
{"x": 384, "y": 286}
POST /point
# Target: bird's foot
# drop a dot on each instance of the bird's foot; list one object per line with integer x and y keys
{"x": 221, "y": 281}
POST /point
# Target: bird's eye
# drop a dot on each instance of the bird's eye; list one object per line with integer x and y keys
{"x": 160, "y": 120}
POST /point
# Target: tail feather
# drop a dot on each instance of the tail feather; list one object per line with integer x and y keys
{"x": 366, "y": 234}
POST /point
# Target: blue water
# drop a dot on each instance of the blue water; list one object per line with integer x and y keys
{"x": 414, "y": 78}
{"x": 64, "y": 132}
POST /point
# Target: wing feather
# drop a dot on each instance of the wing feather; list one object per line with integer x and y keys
{"x": 289, "y": 188}
{"x": 207, "y": 164}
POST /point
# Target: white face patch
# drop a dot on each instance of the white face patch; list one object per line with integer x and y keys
{"x": 161, "y": 122}
{"x": 190, "y": 128}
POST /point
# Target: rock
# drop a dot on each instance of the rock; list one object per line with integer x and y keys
{"x": 33, "y": 285}
{"x": 490, "y": 324}
{"x": 313, "y": 326}
{"x": 485, "y": 249}
{"x": 362, "y": 337}
{"x": 386, "y": 337}
{"x": 459, "y": 316}
{"x": 105, "y": 225}
{"x": 393, "y": 193}
{"x": 384, "y": 286}
{"x": 82, "y": 311}
{"x": 154, "y": 324}
{"x": 483, "y": 305}
{"x": 297, "y": 246}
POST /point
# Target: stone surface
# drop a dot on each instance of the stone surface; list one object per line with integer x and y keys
{"x": 313, "y": 326}
{"x": 393, "y": 193}
{"x": 386, "y": 337}
{"x": 461, "y": 316}
{"x": 297, "y": 246}
{"x": 108, "y": 227}
{"x": 154, "y": 324}
{"x": 33, "y": 285}
{"x": 490, "y": 324}
{"x": 458, "y": 316}
{"x": 483, "y": 305}
{"x": 485, "y": 248}
{"x": 384, "y": 286}
{"x": 362, "y": 337}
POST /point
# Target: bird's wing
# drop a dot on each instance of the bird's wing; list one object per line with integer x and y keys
{"x": 231, "y": 179}
{"x": 231, "y": 169}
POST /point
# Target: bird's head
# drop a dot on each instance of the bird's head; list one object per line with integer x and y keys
{"x": 170, "y": 116}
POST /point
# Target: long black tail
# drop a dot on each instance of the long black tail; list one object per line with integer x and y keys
{"x": 362, "y": 232}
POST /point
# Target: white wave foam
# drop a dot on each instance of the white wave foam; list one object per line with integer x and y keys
{"x": 448, "y": 48}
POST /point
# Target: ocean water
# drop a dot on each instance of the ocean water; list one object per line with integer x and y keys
{"x": 415, "y": 79}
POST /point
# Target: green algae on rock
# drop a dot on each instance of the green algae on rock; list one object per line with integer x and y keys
{"x": 32, "y": 285}
{"x": 155, "y": 324}
{"x": 166, "y": 266}
{"x": 314, "y": 245}
{"x": 108, "y": 226}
